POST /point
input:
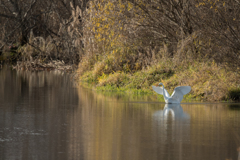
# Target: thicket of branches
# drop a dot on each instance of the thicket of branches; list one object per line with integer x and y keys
{"x": 130, "y": 34}
{"x": 42, "y": 29}
{"x": 122, "y": 35}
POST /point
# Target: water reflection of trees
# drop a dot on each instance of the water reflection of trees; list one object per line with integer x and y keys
{"x": 35, "y": 108}
{"x": 21, "y": 86}
{"x": 113, "y": 128}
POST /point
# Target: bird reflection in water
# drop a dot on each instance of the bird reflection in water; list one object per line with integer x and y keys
{"x": 174, "y": 110}
{"x": 171, "y": 124}
{"x": 238, "y": 150}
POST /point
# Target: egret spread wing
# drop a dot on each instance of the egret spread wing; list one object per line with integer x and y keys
{"x": 183, "y": 89}
{"x": 179, "y": 92}
{"x": 159, "y": 90}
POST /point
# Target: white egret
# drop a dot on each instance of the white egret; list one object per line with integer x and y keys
{"x": 177, "y": 94}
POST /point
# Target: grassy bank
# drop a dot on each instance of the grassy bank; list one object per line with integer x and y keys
{"x": 209, "y": 81}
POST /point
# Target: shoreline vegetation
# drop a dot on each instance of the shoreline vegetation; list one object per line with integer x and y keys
{"x": 39, "y": 66}
{"x": 209, "y": 81}
{"x": 128, "y": 46}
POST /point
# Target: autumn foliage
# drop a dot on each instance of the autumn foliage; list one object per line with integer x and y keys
{"x": 124, "y": 35}
{"x": 130, "y": 35}
{"x": 135, "y": 44}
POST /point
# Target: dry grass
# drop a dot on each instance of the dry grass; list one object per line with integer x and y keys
{"x": 209, "y": 81}
{"x": 64, "y": 46}
{"x": 38, "y": 48}
{"x": 114, "y": 79}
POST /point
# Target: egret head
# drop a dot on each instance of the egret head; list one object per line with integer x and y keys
{"x": 160, "y": 84}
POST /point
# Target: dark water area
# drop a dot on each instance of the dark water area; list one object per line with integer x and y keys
{"x": 43, "y": 115}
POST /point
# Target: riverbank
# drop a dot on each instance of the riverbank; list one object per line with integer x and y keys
{"x": 209, "y": 81}
{"x": 19, "y": 61}
{"x": 127, "y": 47}
{"x": 40, "y": 66}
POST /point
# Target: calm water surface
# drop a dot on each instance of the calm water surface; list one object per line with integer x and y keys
{"x": 43, "y": 116}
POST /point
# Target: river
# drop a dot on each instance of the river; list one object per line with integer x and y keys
{"x": 43, "y": 115}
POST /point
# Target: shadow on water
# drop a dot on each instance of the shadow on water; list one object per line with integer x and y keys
{"x": 43, "y": 116}
{"x": 234, "y": 106}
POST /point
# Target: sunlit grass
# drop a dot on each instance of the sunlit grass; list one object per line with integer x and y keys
{"x": 209, "y": 81}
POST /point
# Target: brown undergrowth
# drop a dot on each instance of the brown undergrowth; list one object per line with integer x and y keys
{"x": 60, "y": 51}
